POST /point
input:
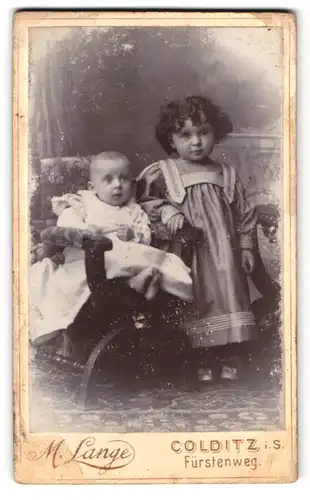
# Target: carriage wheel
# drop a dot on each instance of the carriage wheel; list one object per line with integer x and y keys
{"x": 90, "y": 363}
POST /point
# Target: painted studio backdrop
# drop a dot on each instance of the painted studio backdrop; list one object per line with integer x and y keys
{"x": 96, "y": 89}
{"x": 93, "y": 89}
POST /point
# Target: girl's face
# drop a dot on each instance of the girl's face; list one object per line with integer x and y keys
{"x": 194, "y": 142}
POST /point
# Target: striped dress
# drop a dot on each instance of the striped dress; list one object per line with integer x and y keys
{"x": 213, "y": 199}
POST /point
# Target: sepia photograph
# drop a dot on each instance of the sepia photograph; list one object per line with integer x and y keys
{"x": 157, "y": 226}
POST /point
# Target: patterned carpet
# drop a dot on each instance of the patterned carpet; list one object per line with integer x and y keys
{"x": 137, "y": 403}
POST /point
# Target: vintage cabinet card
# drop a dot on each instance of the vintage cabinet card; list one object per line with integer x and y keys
{"x": 154, "y": 247}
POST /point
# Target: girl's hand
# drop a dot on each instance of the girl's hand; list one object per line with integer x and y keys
{"x": 247, "y": 261}
{"x": 125, "y": 233}
{"x": 175, "y": 223}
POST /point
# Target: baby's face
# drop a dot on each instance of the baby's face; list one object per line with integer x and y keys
{"x": 111, "y": 180}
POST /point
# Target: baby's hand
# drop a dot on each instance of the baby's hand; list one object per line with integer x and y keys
{"x": 247, "y": 261}
{"x": 125, "y": 233}
{"x": 175, "y": 223}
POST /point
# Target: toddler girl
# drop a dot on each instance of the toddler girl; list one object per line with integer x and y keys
{"x": 190, "y": 186}
{"x": 107, "y": 207}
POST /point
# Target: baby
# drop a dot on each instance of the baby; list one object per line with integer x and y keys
{"x": 107, "y": 206}
{"x": 108, "y": 203}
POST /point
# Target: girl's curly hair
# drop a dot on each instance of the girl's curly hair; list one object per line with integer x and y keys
{"x": 200, "y": 110}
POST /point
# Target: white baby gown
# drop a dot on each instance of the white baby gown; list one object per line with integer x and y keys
{"x": 57, "y": 293}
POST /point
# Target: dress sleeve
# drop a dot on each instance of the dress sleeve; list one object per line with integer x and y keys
{"x": 141, "y": 227}
{"x": 246, "y": 216}
{"x": 70, "y": 217}
{"x": 152, "y": 194}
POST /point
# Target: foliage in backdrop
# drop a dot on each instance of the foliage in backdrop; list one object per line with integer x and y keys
{"x": 101, "y": 88}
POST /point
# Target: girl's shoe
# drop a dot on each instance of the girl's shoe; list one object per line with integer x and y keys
{"x": 229, "y": 373}
{"x": 205, "y": 375}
